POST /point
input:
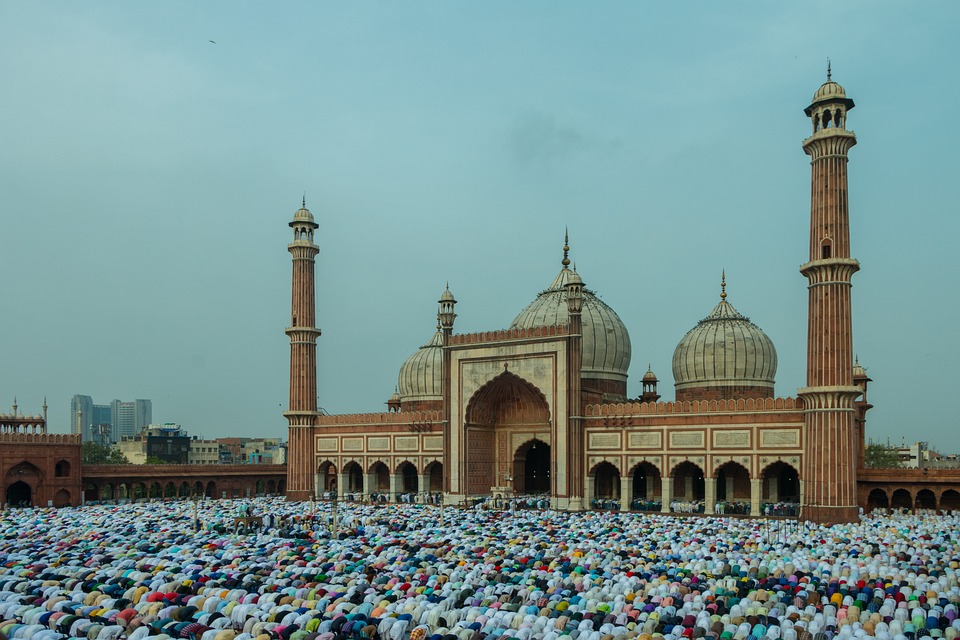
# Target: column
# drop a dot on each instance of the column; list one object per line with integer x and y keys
{"x": 755, "y": 485}
{"x": 709, "y": 494}
{"x": 666, "y": 494}
{"x": 588, "y": 497}
{"x": 626, "y": 492}
{"x": 368, "y": 481}
{"x": 342, "y": 480}
{"x": 396, "y": 481}
{"x": 423, "y": 485}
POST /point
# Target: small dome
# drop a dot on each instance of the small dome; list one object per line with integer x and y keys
{"x": 859, "y": 371}
{"x": 303, "y": 215}
{"x": 725, "y": 349}
{"x": 829, "y": 90}
{"x": 447, "y": 296}
{"x": 421, "y": 376}
{"x": 650, "y": 376}
{"x": 606, "y": 343}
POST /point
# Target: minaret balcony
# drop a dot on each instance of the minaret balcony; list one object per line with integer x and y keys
{"x": 830, "y": 271}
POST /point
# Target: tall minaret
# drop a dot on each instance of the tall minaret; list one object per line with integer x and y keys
{"x": 303, "y": 333}
{"x": 829, "y": 475}
{"x": 575, "y": 490}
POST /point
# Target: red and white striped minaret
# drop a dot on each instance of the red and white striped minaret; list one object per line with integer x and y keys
{"x": 303, "y": 333}
{"x": 829, "y": 476}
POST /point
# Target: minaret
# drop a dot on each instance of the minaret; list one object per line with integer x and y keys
{"x": 445, "y": 317}
{"x": 576, "y": 460}
{"x": 303, "y": 333}
{"x": 829, "y": 475}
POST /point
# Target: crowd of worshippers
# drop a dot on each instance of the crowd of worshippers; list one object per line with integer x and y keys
{"x": 418, "y": 572}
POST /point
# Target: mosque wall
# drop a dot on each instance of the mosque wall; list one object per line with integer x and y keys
{"x": 43, "y": 469}
{"x": 752, "y": 445}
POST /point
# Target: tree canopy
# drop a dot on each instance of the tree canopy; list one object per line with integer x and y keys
{"x": 93, "y": 453}
{"x": 881, "y": 456}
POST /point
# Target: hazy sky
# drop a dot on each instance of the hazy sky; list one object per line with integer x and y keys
{"x": 148, "y": 176}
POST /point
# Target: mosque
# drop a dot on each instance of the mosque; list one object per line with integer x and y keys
{"x": 542, "y": 408}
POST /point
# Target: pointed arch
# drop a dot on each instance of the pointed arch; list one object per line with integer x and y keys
{"x": 509, "y": 403}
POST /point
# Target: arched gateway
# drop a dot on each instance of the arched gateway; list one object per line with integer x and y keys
{"x": 508, "y": 437}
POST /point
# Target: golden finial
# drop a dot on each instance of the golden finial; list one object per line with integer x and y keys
{"x": 438, "y": 321}
{"x": 566, "y": 248}
{"x": 303, "y": 201}
{"x": 829, "y": 73}
{"x": 723, "y": 285}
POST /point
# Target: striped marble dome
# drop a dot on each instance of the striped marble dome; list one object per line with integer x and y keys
{"x": 725, "y": 349}
{"x": 606, "y": 343}
{"x": 421, "y": 376}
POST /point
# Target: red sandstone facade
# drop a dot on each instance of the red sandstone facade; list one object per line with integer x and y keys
{"x": 542, "y": 408}
{"x": 38, "y": 468}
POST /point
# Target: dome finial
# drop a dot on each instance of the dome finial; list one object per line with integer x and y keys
{"x": 828, "y": 70}
{"x": 566, "y": 248}
{"x": 723, "y": 285}
{"x": 303, "y": 201}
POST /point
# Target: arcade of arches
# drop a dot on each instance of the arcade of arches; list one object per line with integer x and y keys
{"x": 731, "y": 482}
{"x": 378, "y": 479}
{"x": 138, "y": 482}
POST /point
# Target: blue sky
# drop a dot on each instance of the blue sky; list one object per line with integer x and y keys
{"x": 149, "y": 175}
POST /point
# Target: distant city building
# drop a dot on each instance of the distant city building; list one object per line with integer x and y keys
{"x": 107, "y": 423}
{"x": 81, "y": 416}
{"x": 204, "y": 451}
{"x": 252, "y": 451}
{"x": 130, "y": 418}
{"x": 171, "y": 444}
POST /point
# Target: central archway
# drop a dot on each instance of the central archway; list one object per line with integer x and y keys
{"x": 506, "y": 414}
{"x": 531, "y": 468}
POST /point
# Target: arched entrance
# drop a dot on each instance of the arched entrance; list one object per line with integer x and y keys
{"x": 647, "y": 489}
{"x": 688, "y": 482}
{"x": 327, "y": 477}
{"x": 506, "y": 411}
{"x": 877, "y": 499}
{"x": 531, "y": 468}
{"x": 62, "y": 498}
{"x": 606, "y": 486}
{"x": 19, "y": 494}
{"x": 21, "y": 482}
{"x": 380, "y": 482}
{"x": 408, "y": 478}
{"x": 781, "y": 483}
{"x": 901, "y": 499}
{"x": 926, "y": 499}
{"x": 733, "y": 483}
{"x": 950, "y": 500}
{"x": 434, "y": 472}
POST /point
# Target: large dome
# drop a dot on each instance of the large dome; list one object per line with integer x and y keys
{"x": 727, "y": 353}
{"x": 606, "y": 343}
{"x": 421, "y": 376}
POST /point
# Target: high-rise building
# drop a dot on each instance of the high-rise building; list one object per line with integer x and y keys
{"x": 81, "y": 416}
{"x": 106, "y": 423}
{"x": 130, "y": 418}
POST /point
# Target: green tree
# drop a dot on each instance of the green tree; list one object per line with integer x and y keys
{"x": 881, "y": 456}
{"x": 154, "y": 460}
{"x": 93, "y": 453}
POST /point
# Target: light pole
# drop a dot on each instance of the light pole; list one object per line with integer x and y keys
{"x": 196, "y": 512}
